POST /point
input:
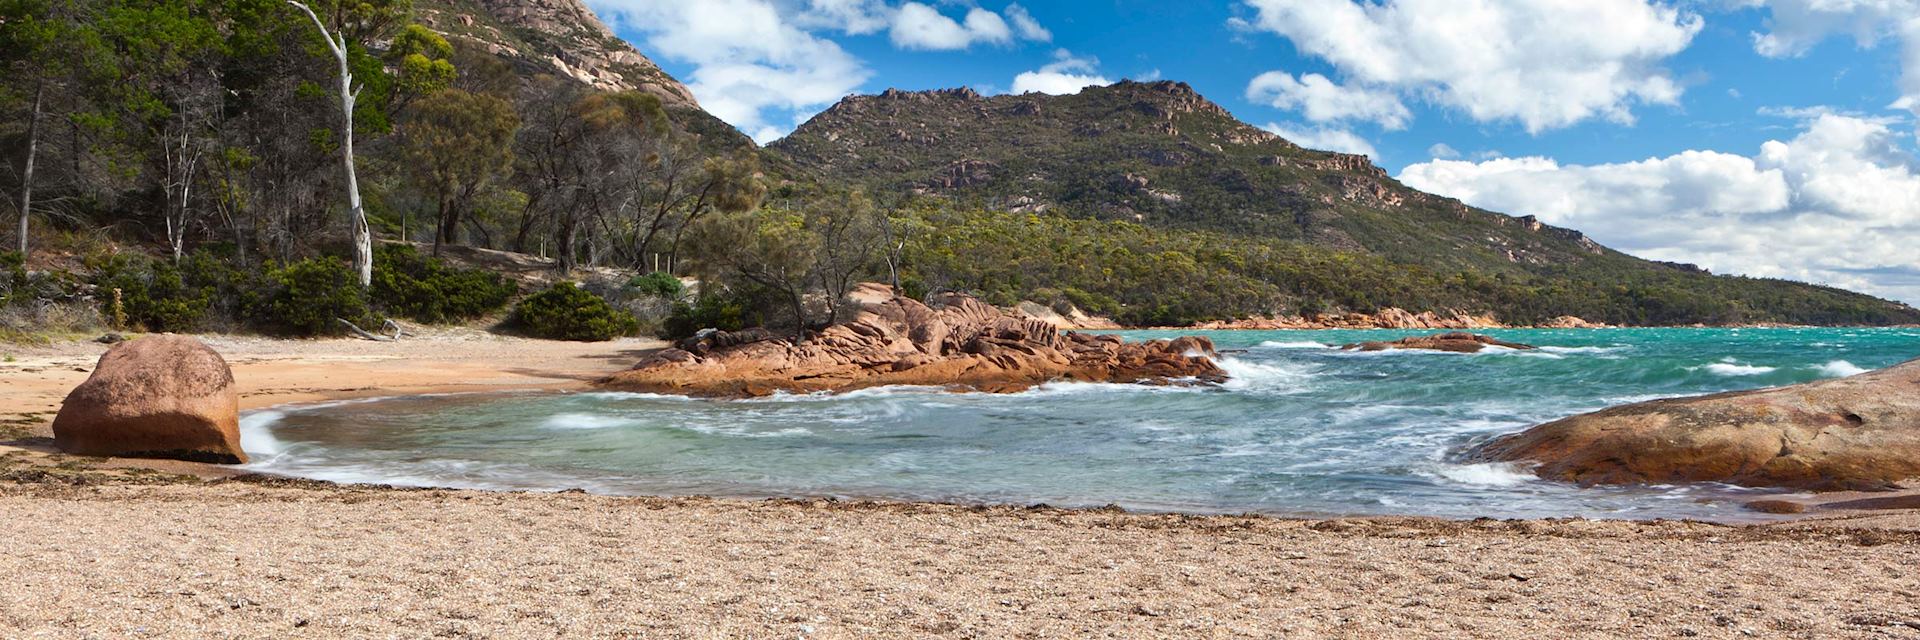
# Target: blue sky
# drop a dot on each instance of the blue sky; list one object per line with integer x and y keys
{"x": 1765, "y": 137}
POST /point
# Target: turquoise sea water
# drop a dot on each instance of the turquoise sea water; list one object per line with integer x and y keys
{"x": 1302, "y": 429}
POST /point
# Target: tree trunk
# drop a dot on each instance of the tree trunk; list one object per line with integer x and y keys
{"x": 362, "y": 236}
{"x": 33, "y": 149}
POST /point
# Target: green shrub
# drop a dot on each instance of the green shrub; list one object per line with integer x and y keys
{"x": 151, "y": 295}
{"x": 426, "y": 289}
{"x": 659, "y": 284}
{"x": 567, "y": 312}
{"x": 304, "y": 298}
{"x": 714, "y": 311}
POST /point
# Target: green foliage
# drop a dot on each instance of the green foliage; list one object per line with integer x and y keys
{"x": 304, "y": 298}
{"x": 567, "y": 312}
{"x": 206, "y": 292}
{"x": 1144, "y": 276}
{"x": 713, "y": 311}
{"x": 426, "y": 289}
{"x": 659, "y": 284}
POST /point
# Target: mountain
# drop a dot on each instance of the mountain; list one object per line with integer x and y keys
{"x": 1161, "y": 155}
{"x": 565, "y": 38}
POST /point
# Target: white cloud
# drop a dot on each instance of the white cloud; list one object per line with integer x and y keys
{"x": 1066, "y": 75}
{"x": 1322, "y": 100}
{"x": 1323, "y": 138}
{"x": 1026, "y": 26}
{"x": 1798, "y": 25}
{"x": 1443, "y": 151}
{"x": 758, "y": 63}
{"x": 1837, "y": 204}
{"x": 918, "y": 26}
{"x": 748, "y": 58}
{"x": 853, "y": 17}
{"x": 1543, "y": 64}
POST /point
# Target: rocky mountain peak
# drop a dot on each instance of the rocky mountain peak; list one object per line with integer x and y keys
{"x": 562, "y": 35}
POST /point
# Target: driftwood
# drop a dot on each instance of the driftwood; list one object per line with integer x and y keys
{"x": 389, "y": 324}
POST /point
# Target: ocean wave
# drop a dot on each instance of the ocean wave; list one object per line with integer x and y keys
{"x": 634, "y": 395}
{"x": 1838, "y": 369}
{"x": 1299, "y": 344}
{"x": 1247, "y": 374}
{"x": 571, "y": 421}
{"x": 1486, "y": 474}
{"x": 1581, "y": 350}
{"x": 1734, "y": 370}
{"x": 256, "y": 431}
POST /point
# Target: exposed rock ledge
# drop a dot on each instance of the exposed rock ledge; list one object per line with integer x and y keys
{"x": 1456, "y": 341}
{"x": 956, "y": 342}
{"x": 1855, "y": 433}
{"x": 1393, "y": 318}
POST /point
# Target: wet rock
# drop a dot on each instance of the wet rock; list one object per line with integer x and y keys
{"x": 161, "y": 396}
{"x": 1454, "y": 341}
{"x": 1856, "y": 433}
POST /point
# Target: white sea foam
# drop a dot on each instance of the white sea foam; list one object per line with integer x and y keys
{"x": 1580, "y": 350}
{"x": 571, "y": 421}
{"x": 1486, "y": 474}
{"x": 256, "y": 430}
{"x": 1300, "y": 344}
{"x": 1246, "y": 374}
{"x": 1838, "y": 369}
{"x": 1735, "y": 370}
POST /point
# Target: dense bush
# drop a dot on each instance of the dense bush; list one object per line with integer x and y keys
{"x": 710, "y": 311}
{"x": 426, "y": 289}
{"x": 658, "y": 284}
{"x": 567, "y": 312}
{"x": 137, "y": 292}
{"x": 305, "y": 298}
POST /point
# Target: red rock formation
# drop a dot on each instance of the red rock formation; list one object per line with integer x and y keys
{"x": 1457, "y": 342}
{"x": 1855, "y": 433}
{"x": 162, "y": 396}
{"x": 958, "y": 342}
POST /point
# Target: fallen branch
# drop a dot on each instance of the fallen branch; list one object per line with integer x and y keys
{"x": 389, "y": 324}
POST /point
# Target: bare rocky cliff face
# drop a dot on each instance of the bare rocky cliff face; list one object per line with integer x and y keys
{"x": 564, "y": 35}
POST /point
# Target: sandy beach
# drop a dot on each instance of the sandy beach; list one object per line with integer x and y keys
{"x": 112, "y": 548}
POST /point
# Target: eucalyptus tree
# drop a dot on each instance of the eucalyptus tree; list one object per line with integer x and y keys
{"x": 350, "y": 24}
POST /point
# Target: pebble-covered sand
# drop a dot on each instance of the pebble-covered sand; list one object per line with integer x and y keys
{"x": 243, "y": 560}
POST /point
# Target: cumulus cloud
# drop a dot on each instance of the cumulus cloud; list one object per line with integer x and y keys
{"x": 1067, "y": 74}
{"x": 918, "y": 26}
{"x": 1543, "y": 64}
{"x": 1798, "y": 25}
{"x": 1323, "y": 100}
{"x": 1837, "y": 204}
{"x": 1443, "y": 151}
{"x": 1026, "y": 26}
{"x": 748, "y": 58}
{"x": 1323, "y": 138}
{"x": 758, "y": 64}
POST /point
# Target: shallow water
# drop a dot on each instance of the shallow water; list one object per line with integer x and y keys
{"x": 1302, "y": 429}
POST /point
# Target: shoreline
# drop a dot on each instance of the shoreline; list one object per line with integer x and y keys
{"x": 272, "y": 373}
{"x": 131, "y": 548}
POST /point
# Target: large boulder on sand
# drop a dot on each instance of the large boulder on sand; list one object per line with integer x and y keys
{"x": 1855, "y": 433}
{"x": 956, "y": 341}
{"x": 159, "y": 396}
{"x": 1454, "y": 341}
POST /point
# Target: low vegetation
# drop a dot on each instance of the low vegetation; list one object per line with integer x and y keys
{"x": 567, "y": 312}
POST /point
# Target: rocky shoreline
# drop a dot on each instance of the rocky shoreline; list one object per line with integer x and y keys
{"x": 956, "y": 341}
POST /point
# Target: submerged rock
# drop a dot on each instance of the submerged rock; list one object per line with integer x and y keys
{"x": 1855, "y": 433}
{"x": 956, "y": 341}
{"x": 1455, "y": 341}
{"x": 162, "y": 396}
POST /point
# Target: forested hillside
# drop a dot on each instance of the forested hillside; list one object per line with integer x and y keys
{"x": 265, "y": 165}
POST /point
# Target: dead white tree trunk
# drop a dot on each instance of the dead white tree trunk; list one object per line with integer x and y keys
{"x": 362, "y": 237}
{"x": 33, "y": 149}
